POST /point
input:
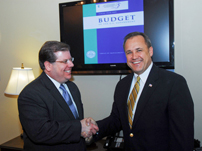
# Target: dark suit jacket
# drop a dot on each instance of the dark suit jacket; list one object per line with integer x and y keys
{"x": 47, "y": 120}
{"x": 164, "y": 115}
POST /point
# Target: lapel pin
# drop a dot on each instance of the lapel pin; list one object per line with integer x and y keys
{"x": 150, "y": 85}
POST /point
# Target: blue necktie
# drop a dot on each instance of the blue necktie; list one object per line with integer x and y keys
{"x": 69, "y": 101}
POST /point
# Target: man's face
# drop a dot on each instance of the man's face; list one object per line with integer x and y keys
{"x": 59, "y": 70}
{"x": 138, "y": 54}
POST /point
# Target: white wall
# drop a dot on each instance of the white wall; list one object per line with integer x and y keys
{"x": 26, "y": 25}
{"x": 188, "y": 55}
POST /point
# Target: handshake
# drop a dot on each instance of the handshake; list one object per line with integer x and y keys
{"x": 89, "y": 128}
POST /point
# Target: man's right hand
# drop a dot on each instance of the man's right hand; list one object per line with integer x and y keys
{"x": 89, "y": 127}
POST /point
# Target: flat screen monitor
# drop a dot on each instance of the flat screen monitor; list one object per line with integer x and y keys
{"x": 95, "y": 31}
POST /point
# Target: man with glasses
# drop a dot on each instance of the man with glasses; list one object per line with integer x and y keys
{"x": 50, "y": 107}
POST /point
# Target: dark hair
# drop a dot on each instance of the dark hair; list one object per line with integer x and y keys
{"x": 46, "y": 52}
{"x": 133, "y": 34}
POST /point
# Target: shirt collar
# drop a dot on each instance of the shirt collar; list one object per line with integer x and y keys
{"x": 56, "y": 83}
{"x": 145, "y": 74}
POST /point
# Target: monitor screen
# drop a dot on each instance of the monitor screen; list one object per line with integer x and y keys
{"x": 95, "y": 32}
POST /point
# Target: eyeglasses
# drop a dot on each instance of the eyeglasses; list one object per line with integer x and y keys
{"x": 66, "y": 61}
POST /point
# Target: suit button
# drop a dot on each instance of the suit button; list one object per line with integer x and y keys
{"x": 131, "y": 134}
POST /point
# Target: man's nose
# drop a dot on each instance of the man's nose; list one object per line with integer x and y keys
{"x": 70, "y": 64}
{"x": 134, "y": 55}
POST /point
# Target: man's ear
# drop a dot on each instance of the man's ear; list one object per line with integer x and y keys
{"x": 151, "y": 51}
{"x": 48, "y": 65}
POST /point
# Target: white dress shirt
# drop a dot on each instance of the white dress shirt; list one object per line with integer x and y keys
{"x": 143, "y": 79}
{"x": 57, "y": 85}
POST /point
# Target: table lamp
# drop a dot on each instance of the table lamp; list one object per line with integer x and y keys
{"x": 19, "y": 78}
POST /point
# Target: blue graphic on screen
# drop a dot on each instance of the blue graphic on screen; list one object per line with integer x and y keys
{"x": 103, "y": 23}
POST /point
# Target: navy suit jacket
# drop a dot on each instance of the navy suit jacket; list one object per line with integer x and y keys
{"x": 164, "y": 118}
{"x": 47, "y": 120}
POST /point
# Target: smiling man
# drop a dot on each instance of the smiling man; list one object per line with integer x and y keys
{"x": 152, "y": 106}
{"x": 138, "y": 54}
{"x": 50, "y": 107}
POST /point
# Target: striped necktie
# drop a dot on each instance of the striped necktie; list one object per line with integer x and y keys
{"x": 67, "y": 98}
{"x": 132, "y": 100}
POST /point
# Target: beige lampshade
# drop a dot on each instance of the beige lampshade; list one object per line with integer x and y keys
{"x": 19, "y": 78}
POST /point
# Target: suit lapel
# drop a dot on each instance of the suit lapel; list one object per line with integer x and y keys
{"x": 126, "y": 89}
{"x": 147, "y": 91}
{"x": 56, "y": 94}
